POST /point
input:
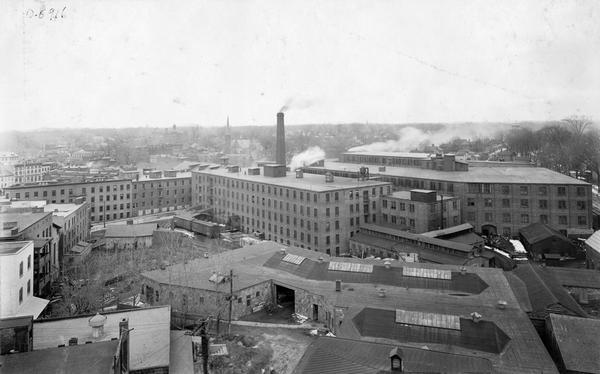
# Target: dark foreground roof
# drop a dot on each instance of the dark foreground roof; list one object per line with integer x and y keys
{"x": 578, "y": 341}
{"x": 328, "y": 355}
{"x": 96, "y": 358}
{"x": 545, "y": 292}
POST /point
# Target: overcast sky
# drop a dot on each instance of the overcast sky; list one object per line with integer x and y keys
{"x": 135, "y": 63}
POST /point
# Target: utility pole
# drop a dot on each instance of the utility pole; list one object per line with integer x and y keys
{"x": 230, "y": 300}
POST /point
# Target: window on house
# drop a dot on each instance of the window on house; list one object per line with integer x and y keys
{"x": 524, "y": 218}
{"x": 581, "y": 220}
{"x": 21, "y": 269}
{"x": 543, "y": 204}
{"x": 524, "y": 203}
{"x": 20, "y": 295}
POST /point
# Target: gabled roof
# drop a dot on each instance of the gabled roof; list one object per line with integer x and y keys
{"x": 130, "y": 231}
{"x": 545, "y": 291}
{"x": 578, "y": 342}
{"x": 593, "y": 242}
{"x": 537, "y": 232}
{"x": 449, "y": 230}
{"x": 329, "y": 355}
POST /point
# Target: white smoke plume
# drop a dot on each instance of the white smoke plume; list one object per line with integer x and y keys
{"x": 292, "y": 103}
{"x": 410, "y": 138}
{"x": 311, "y": 155}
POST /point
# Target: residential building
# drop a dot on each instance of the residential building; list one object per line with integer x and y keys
{"x": 108, "y": 200}
{"x": 35, "y": 226}
{"x": 157, "y": 191}
{"x": 305, "y": 210}
{"x": 419, "y": 211}
{"x": 16, "y": 281}
{"x": 451, "y": 309}
{"x": 73, "y": 220}
{"x": 495, "y": 200}
{"x": 30, "y": 171}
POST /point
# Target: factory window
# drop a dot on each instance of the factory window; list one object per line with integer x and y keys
{"x": 488, "y": 203}
{"x": 411, "y": 208}
{"x": 62, "y": 191}
{"x": 450, "y": 187}
{"x": 562, "y": 220}
{"x": 28, "y": 262}
{"x": 393, "y": 219}
{"x": 327, "y": 240}
{"x": 562, "y": 204}
{"x": 543, "y": 218}
{"x": 580, "y": 191}
{"x": 562, "y": 191}
{"x": 315, "y": 211}
{"x": 402, "y": 206}
{"x": 28, "y": 286}
{"x": 374, "y": 205}
{"x": 337, "y": 196}
{"x": 506, "y": 231}
{"x": 45, "y": 193}
{"x": 543, "y": 190}
{"x": 470, "y": 216}
{"x": 524, "y": 218}
{"x": 93, "y": 189}
{"x": 487, "y": 188}
{"x": 20, "y": 295}
{"x": 351, "y": 221}
{"x": 156, "y": 295}
{"x": 488, "y": 217}
{"x": 384, "y": 203}
{"x": 248, "y": 300}
{"x": 21, "y": 269}
{"x": 327, "y": 197}
{"x": 337, "y": 238}
{"x": 581, "y": 205}
{"x": 523, "y": 190}
{"x": 411, "y": 223}
{"x": 524, "y": 203}
{"x": 315, "y": 198}
{"x": 543, "y": 204}
{"x": 239, "y": 300}
{"x": 581, "y": 220}
{"x": 470, "y": 202}
{"x": 473, "y": 187}
{"x": 327, "y": 211}
{"x": 337, "y": 225}
{"x": 35, "y": 194}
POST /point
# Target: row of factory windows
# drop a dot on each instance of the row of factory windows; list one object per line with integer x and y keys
{"x": 524, "y": 218}
{"x": 294, "y": 209}
{"x": 173, "y": 183}
{"x": 419, "y": 241}
{"x": 114, "y": 216}
{"x": 143, "y": 194}
{"x": 524, "y": 203}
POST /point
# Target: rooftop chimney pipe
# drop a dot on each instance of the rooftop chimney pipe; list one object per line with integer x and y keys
{"x": 280, "y": 144}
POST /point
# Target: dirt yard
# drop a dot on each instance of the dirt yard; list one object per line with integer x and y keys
{"x": 254, "y": 349}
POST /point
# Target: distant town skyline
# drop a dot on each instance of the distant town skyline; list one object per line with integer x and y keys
{"x": 130, "y": 63}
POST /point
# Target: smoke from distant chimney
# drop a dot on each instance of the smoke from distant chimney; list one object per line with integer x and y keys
{"x": 311, "y": 155}
{"x": 292, "y": 103}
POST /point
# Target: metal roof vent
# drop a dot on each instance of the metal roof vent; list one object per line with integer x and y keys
{"x": 73, "y": 341}
{"x": 97, "y": 324}
{"x": 381, "y": 292}
{"x": 282, "y": 251}
{"x": 463, "y": 270}
{"x": 328, "y": 177}
{"x": 475, "y": 317}
{"x": 320, "y": 258}
{"x": 501, "y": 304}
{"x": 387, "y": 264}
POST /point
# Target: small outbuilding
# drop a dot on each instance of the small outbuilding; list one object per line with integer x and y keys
{"x": 125, "y": 237}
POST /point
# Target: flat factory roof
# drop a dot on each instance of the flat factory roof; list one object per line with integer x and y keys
{"x": 504, "y": 175}
{"x": 310, "y": 182}
{"x": 10, "y": 248}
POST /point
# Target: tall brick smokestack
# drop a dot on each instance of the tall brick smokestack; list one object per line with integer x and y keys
{"x": 280, "y": 144}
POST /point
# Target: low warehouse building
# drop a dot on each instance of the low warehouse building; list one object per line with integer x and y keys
{"x": 121, "y": 237}
{"x": 452, "y": 309}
